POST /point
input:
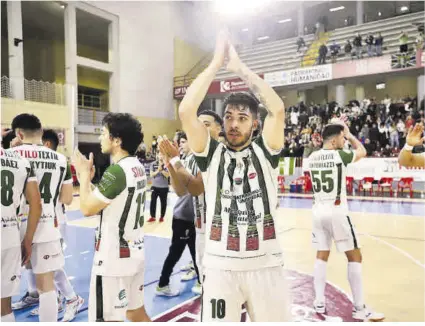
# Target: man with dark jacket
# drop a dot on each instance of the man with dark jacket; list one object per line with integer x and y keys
{"x": 379, "y": 41}
{"x": 323, "y": 50}
{"x": 357, "y": 42}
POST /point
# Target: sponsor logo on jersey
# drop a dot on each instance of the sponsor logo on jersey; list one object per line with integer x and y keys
{"x": 121, "y": 295}
{"x": 252, "y": 175}
{"x": 13, "y": 278}
{"x": 46, "y": 257}
{"x": 238, "y": 181}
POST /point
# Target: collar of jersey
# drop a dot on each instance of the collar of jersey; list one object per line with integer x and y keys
{"x": 123, "y": 158}
{"x": 239, "y": 151}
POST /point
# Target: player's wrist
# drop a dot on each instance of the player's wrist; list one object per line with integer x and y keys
{"x": 174, "y": 160}
{"x": 407, "y": 147}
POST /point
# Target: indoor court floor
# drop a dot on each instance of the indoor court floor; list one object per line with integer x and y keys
{"x": 391, "y": 235}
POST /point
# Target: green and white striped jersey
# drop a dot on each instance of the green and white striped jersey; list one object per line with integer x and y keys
{"x": 15, "y": 173}
{"x": 241, "y": 199}
{"x": 199, "y": 204}
{"x": 52, "y": 171}
{"x": 120, "y": 237}
{"x": 328, "y": 172}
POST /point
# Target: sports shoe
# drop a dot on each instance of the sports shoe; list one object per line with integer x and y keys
{"x": 161, "y": 220}
{"x": 166, "y": 291}
{"x": 319, "y": 307}
{"x": 366, "y": 314}
{"x": 197, "y": 288}
{"x": 35, "y": 312}
{"x": 72, "y": 308}
{"x": 152, "y": 219}
{"x": 190, "y": 275}
{"x": 26, "y": 301}
{"x": 187, "y": 267}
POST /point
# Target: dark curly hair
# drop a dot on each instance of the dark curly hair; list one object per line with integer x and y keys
{"x": 243, "y": 98}
{"x": 125, "y": 127}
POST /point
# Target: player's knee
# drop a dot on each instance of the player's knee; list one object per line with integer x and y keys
{"x": 354, "y": 256}
{"x": 6, "y": 306}
{"x": 323, "y": 255}
{"x": 138, "y": 315}
{"x": 45, "y": 282}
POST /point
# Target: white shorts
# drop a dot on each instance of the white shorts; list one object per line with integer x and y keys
{"x": 47, "y": 257}
{"x": 111, "y": 297}
{"x": 10, "y": 271}
{"x": 263, "y": 291}
{"x": 333, "y": 224}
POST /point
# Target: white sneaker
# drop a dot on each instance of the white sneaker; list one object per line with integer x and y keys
{"x": 366, "y": 314}
{"x": 197, "y": 288}
{"x": 35, "y": 312}
{"x": 166, "y": 291}
{"x": 190, "y": 275}
{"x": 188, "y": 267}
{"x": 25, "y": 302}
{"x": 319, "y": 307}
{"x": 72, "y": 308}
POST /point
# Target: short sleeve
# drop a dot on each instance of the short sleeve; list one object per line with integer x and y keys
{"x": 68, "y": 175}
{"x": 347, "y": 156}
{"x": 113, "y": 182}
{"x": 204, "y": 159}
{"x": 273, "y": 156}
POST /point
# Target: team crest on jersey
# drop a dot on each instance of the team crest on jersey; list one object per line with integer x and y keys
{"x": 238, "y": 181}
{"x": 252, "y": 175}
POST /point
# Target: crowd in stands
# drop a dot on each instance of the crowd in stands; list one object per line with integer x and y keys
{"x": 381, "y": 127}
{"x": 370, "y": 44}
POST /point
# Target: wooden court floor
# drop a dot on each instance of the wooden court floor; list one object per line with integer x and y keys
{"x": 392, "y": 248}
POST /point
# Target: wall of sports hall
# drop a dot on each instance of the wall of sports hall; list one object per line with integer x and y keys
{"x": 155, "y": 42}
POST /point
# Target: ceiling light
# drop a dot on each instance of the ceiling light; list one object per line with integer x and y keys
{"x": 245, "y": 30}
{"x": 379, "y": 14}
{"x": 404, "y": 8}
{"x": 262, "y": 38}
{"x": 337, "y": 8}
{"x": 284, "y": 20}
{"x": 63, "y": 6}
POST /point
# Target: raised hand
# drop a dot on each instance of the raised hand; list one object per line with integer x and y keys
{"x": 414, "y": 135}
{"x": 220, "y": 48}
{"x": 234, "y": 62}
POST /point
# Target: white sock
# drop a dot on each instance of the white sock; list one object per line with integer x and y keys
{"x": 48, "y": 310}
{"x": 32, "y": 287}
{"x": 356, "y": 283}
{"x": 63, "y": 284}
{"x": 10, "y": 318}
{"x": 320, "y": 280}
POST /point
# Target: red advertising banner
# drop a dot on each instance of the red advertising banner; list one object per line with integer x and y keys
{"x": 217, "y": 87}
{"x": 228, "y": 86}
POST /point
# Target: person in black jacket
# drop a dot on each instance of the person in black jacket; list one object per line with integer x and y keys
{"x": 323, "y": 50}
{"x": 348, "y": 48}
{"x": 357, "y": 42}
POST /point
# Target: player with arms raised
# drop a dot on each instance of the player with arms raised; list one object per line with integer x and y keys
{"x": 331, "y": 220}
{"x": 414, "y": 138}
{"x": 243, "y": 260}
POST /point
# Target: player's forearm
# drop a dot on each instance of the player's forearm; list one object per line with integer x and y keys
{"x": 273, "y": 103}
{"x": 85, "y": 191}
{"x": 34, "y": 214}
{"x": 176, "y": 183}
{"x": 357, "y": 145}
{"x": 196, "y": 92}
{"x": 408, "y": 159}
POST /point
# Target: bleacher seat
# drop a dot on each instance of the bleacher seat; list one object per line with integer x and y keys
{"x": 282, "y": 54}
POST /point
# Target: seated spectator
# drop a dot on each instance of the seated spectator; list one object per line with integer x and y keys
{"x": 357, "y": 42}
{"x": 369, "y": 43}
{"x": 300, "y": 44}
{"x": 379, "y": 41}
{"x": 348, "y": 48}
{"x": 334, "y": 51}
{"x": 323, "y": 50}
{"x": 370, "y": 147}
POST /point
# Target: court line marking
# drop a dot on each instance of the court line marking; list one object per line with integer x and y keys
{"x": 401, "y": 251}
{"x": 175, "y": 307}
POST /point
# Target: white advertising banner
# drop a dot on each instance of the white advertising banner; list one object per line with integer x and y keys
{"x": 380, "y": 168}
{"x": 299, "y": 75}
